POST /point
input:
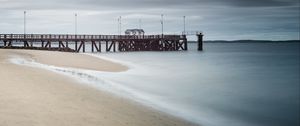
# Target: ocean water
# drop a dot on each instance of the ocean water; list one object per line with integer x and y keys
{"x": 228, "y": 84}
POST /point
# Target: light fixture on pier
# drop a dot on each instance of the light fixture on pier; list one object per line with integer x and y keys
{"x": 162, "y": 24}
{"x": 75, "y": 23}
{"x": 183, "y": 25}
{"x": 120, "y": 23}
{"x": 118, "y": 26}
{"x": 24, "y": 23}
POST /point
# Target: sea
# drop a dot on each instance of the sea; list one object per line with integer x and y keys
{"x": 226, "y": 84}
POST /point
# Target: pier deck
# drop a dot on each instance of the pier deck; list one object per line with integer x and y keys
{"x": 112, "y": 43}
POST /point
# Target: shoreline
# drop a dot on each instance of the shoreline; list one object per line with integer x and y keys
{"x": 65, "y": 49}
{"x": 54, "y": 97}
{"x": 70, "y": 60}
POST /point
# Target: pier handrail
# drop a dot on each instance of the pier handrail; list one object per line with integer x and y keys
{"x": 88, "y": 37}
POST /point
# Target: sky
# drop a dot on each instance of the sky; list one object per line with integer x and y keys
{"x": 217, "y": 19}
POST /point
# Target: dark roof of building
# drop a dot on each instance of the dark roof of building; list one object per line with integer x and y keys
{"x": 135, "y": 30}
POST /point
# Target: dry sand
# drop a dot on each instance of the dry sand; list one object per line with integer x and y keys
{"x": 37, "y": 97}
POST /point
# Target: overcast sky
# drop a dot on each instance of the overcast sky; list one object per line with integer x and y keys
{"x": 218, "y": 19}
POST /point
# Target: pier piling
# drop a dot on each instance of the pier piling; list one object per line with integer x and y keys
{"x": 200, "y": 41}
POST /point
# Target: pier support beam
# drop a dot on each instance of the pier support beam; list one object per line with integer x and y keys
{"x": 185, "y": 45}
{"x": 67, "y": 44}
{"x": 121, "y": 46}
{"x": 94, "y": 45}
{"x": 61, "y": 44}
{"x": 48, "y": 44}
{"x": 76, "y": 46}
{"x": 81, "y": 45}
{"x": 111, "y": 45}
{"x": 42, "y": 44}
{"x": 9, "y": 43}
{"x": 4, "y": 43}
{"x": 99, "y": 46}
{"x": 106, "y": 46}
{"x": 26, "y": 44}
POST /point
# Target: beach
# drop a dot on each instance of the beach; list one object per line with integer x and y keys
{"x": 32, "y": 96}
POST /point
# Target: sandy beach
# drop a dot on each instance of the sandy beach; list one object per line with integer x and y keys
{"x": 37, "y": 97}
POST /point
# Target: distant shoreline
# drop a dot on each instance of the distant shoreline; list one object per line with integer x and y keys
{"x": 248, "y": 41}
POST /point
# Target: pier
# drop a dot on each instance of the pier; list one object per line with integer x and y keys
{"x": 112, "y": 43}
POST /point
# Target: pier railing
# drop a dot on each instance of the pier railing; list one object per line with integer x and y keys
{"x": 84, "y": 37}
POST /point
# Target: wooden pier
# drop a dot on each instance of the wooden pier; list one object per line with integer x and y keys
{"x": 113, "y": 43}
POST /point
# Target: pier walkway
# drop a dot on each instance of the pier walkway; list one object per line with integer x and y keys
{"x": 112, "y": 43}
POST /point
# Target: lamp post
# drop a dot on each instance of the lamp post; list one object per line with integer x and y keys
{"x": 120, "y": 24}
{"x": 75, "y": 23}
{"x": 75, "y": 31}
{"x": 162, "y": 24}
{"x": 24, "y": 23}
{"x": 183, "y": 25}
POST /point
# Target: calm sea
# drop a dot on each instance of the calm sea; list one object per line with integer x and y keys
{"x": 227, "y": 84}
{"x": 233, "y": 84}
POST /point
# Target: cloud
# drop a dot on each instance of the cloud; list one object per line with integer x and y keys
{"x": 136, "y": 4}
{"x": 262, "y": 3}
{"x": 215, "y": 17}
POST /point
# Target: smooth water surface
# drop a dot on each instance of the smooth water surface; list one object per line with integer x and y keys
{"x": 229, "y": 84}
